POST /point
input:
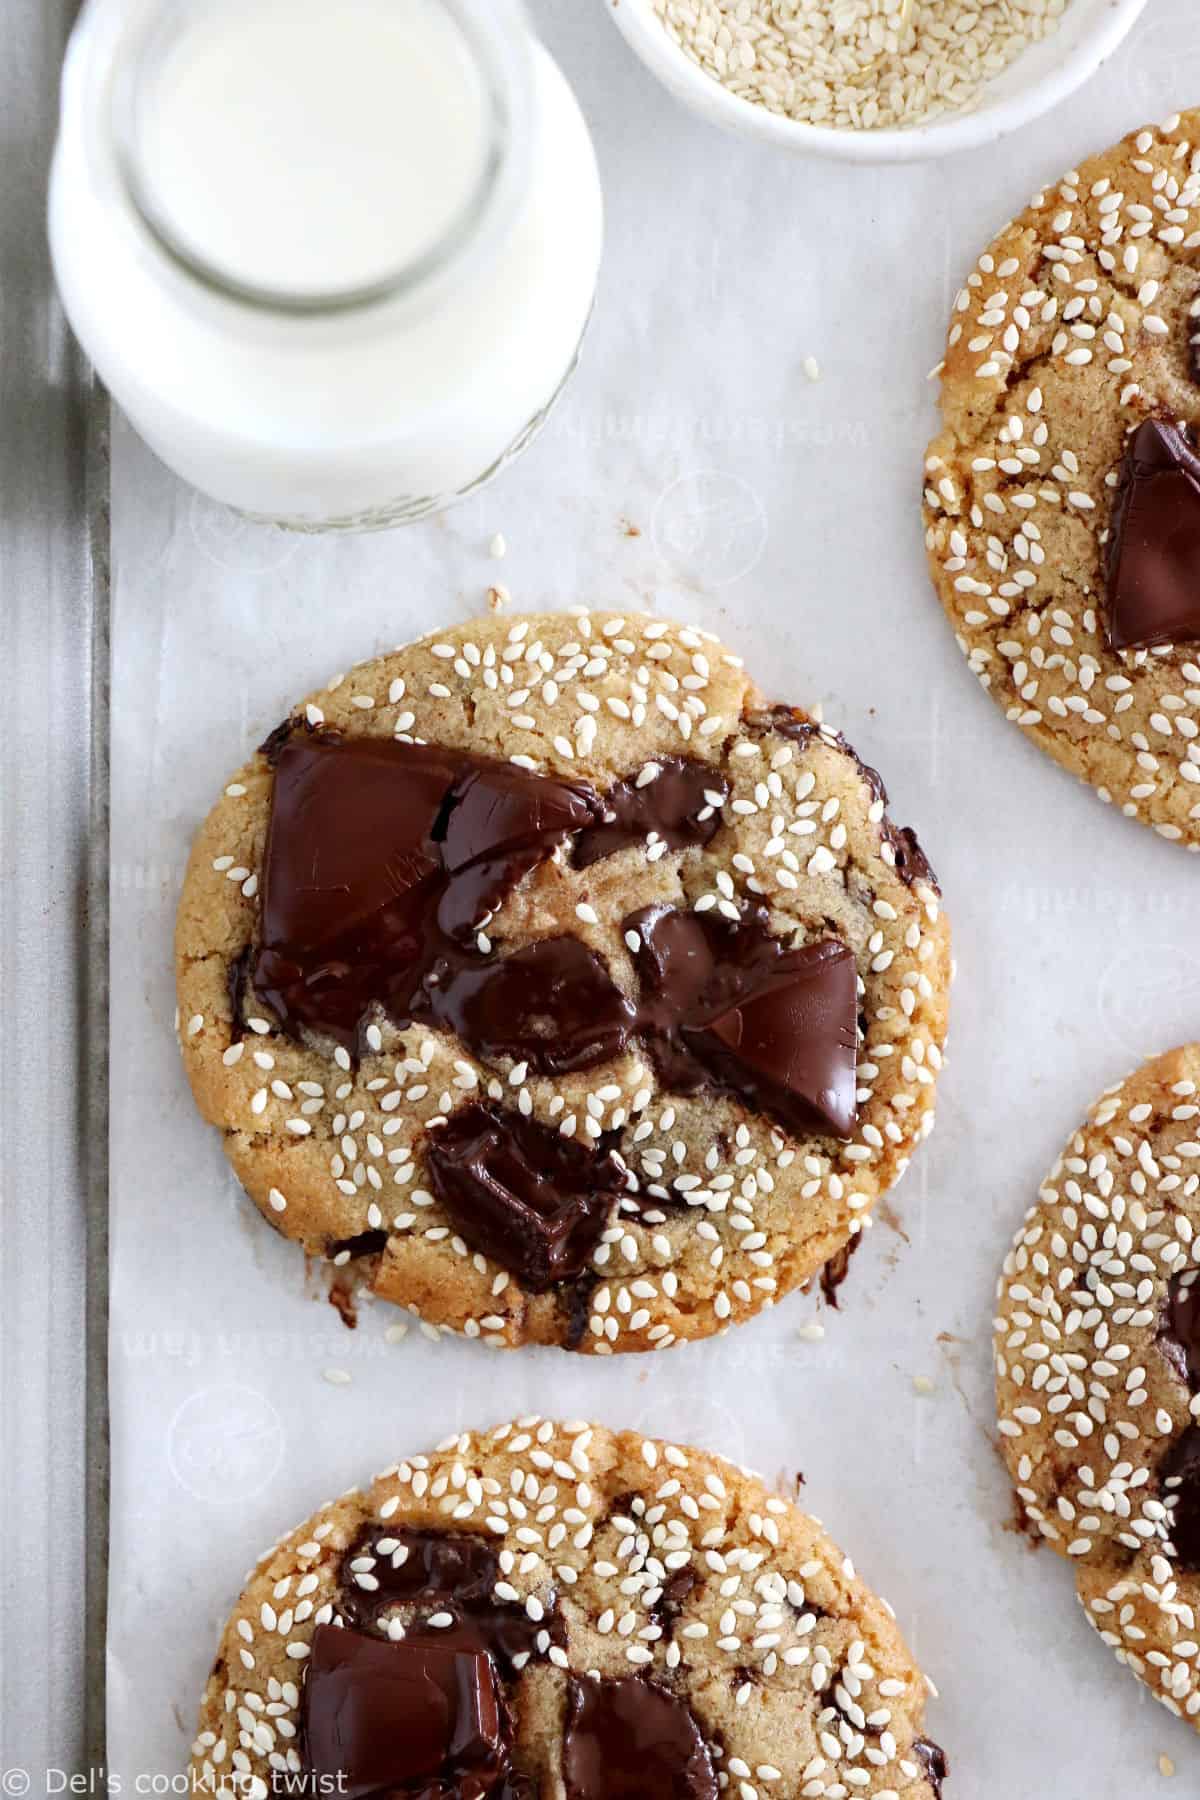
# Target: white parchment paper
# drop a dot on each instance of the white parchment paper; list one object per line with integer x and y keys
{"x": 783, "y": 514}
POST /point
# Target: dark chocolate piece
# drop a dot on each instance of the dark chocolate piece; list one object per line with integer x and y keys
{"x": 729, "y": 1006}
{"x": 533, "y": 1200}
{"x": 353, "y": 830}
{"x": 426, "y": 1572}
{"x": 1179, "y": 1477}
{"x": 934, "y": 1761}
{"x": 502, "y": 822}
{"x": 1153, "y": 552}
{"x": 633, "y": 1740}
{"x": 1179, "y": 1328}
{"x": 552, "y": 1004}
{"x": 675, "y": 806}
{"x": 798, "y": 1031}
{"x": 384, "y": 1719}
{"x": 382, "y": 860}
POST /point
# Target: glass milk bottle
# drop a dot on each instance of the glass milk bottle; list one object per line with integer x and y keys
{"x": 334, "y": 258}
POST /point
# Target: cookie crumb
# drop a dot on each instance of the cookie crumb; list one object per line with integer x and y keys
{"x": 922, "y": 1385}
{"x": 498, "y": 597}
{"x": 1165, "y": 1765}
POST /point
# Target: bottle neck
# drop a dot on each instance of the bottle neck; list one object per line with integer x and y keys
{"x": 307, "y": 159}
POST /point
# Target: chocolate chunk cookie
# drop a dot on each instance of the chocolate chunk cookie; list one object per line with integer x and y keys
{"x": 561, "y": 1610}
{"x": 1062, "y": 496}
{"x": 570, "y": 991}
{"x": 1098, "y": 1370}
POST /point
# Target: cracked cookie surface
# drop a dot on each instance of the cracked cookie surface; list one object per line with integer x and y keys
{"x": 1097, "y": 1344}
{"x": 630, "y": 1618}
{"x": 687, "y": 1177}
{"x": 1077, "y": 326}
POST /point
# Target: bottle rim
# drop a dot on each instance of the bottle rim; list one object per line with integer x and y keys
{"x": 497, "y": 35}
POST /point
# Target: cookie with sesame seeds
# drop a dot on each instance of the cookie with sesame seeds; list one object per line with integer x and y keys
{"x": 1062, "y": 495}
{"x": 552, "y": 1609}
{"x": 574, "y": 994}
{"x": 1097, "y": 1344}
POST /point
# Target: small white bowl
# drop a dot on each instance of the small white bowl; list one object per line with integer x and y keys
{"x": 1039, "y": 79}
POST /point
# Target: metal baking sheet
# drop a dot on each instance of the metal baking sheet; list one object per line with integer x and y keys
{"x": 53, "y": 966}
{"x": 692, "y": 469}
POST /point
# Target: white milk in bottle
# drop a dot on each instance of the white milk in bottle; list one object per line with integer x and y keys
{"x": 334, "y": 258}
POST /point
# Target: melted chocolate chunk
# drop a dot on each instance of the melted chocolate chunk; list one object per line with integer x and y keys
{"x": 237, "y": 982}
{"x": 418, "y": 1568}
{"x": 789, "y": 722}
{"x": 1179, "y": 1475}
{"x": 1178, "y": 1333}
{"x": 382, "y": 859}
{"x": 633, "y": 1740}
{"x": 552, "y": 1004}
{"x": 912, "y": 864}
{"x": 352, "y": 850}
{"x": 576, "y": 1297}
{"x": 365, "y": 1243}
{"x": 836, "y": 1270}
{"x": 434, "y": 1571}
{"x": 1153, "y": 554}
{"x": 932, "y": 1758}
{"x": 533, "y": 1200}
{"x": 675, "y": 1590}
{"x": 502, "y": 822}
{"x": 384, "y": 1719}
{"x": 728, "y": 1006}
{"x": 274, "y": 741}
{"x": 681, "y": 806}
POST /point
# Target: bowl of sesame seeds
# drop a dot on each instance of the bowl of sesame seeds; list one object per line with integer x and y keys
{"x": 874, "y": 80}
